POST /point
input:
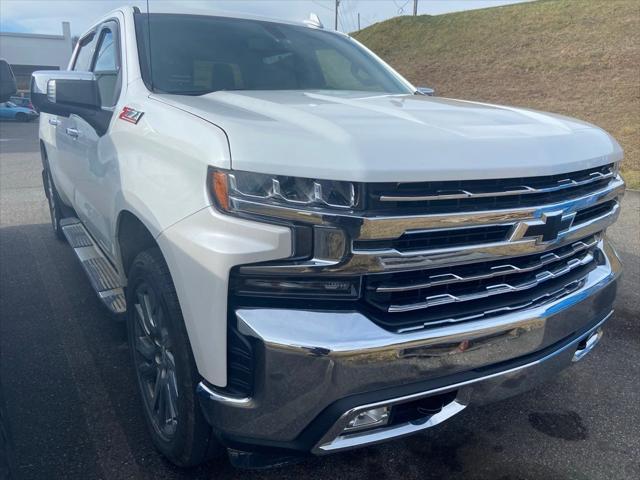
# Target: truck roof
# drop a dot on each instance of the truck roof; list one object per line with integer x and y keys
{"x": 163, "y": 8}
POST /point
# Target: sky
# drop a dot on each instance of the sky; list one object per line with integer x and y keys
{"x": 46, "y": 16}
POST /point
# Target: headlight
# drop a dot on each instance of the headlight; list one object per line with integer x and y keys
{"x": 235, "y": 191}
{"x": 300, "y": 203}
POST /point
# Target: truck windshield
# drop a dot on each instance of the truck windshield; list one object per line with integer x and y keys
{"x": 194, "y": 55}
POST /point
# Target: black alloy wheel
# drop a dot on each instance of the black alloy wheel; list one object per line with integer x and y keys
{"x": 155, "y": 363}
{"x": 165, "y": 369}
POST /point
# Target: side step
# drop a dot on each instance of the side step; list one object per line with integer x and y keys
{"x": 103, "y": 277}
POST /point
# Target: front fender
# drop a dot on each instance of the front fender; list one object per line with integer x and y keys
{"x": 200, "y": 252}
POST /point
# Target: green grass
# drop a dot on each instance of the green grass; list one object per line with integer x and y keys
{"x": 576, "y": 57}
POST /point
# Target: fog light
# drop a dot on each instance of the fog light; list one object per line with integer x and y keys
{"x": 374, "y": 417}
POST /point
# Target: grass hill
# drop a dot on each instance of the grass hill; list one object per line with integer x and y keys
{"x": 576, "y": 57}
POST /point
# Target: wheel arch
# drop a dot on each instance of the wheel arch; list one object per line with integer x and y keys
{"x": 132, "y": 237}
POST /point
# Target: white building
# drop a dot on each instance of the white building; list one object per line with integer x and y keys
{"x": 27, "y": 52}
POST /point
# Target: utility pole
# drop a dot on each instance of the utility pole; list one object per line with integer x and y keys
{"x": 337, "y": 5}
{"x": 415, "y": 7}
{"x": 358, "y": 21}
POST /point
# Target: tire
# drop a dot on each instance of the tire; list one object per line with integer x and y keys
{"x": 22, "y": 117}
{"x": 56, "y": 207}
{"x": 165, "y": 369}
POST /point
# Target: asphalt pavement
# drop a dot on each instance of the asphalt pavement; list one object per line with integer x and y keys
{"x": 72, "y": 410}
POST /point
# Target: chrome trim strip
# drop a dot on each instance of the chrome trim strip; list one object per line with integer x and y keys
{"x": 492, "y": 290}
{"x": 388, "y": 260}
{"x": 204, "y": 390}
{"x": 524, "y": 190}
{"x": 496, "y": 270}
{"x": 333, "y": 441}
{"x": 346, "y": 442}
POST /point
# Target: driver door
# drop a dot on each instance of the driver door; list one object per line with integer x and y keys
{"x": 97, "y": 186}
{"x": 63, "y": 132}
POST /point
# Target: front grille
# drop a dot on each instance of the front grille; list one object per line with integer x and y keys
{"x": 474, "y": 195}
{"x": 427, "y": 297}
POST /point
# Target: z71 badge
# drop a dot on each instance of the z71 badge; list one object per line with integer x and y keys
{"x": 130, "y": 115}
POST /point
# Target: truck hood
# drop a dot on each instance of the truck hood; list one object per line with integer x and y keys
{"x": 363, "y": 136}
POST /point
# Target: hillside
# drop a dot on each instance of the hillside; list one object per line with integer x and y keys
{"x": 576, "y": 57}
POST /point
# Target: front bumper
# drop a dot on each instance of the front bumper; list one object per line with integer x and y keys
{"x": 316, "y": 369}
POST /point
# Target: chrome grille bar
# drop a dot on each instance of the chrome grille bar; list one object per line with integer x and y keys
{"x": 497, "y": 270}
{"x": 540, "y": 299}
{"x": 522, "y": 190}
{"x": 394, "y": 226}
{"x": 496, "y": 289}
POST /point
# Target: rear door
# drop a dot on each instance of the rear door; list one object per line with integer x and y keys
{"x": 94, "y": 155}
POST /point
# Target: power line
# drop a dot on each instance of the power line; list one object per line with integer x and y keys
{"x": 348, "y": 13}
{"x": 353, "y": 15}
{"x": 321, "y": 5}
{"x": 401, "y": 7}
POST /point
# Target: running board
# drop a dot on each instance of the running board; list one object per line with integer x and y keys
{"x": 103, "y": 277}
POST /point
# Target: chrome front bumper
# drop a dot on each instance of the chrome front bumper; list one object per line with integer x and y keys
{"x": 315, "y": 369}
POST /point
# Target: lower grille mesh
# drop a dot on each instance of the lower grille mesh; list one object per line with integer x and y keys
{"x": 409, "y": 299}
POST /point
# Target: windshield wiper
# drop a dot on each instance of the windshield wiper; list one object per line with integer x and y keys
{"x": 197, "y": 93}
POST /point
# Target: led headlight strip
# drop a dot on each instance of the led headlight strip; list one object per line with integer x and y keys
{"x": 293, "y": 192}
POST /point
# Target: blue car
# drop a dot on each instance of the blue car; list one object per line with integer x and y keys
{"x": 22, "y": 102}
{"x": 9, "y": 110}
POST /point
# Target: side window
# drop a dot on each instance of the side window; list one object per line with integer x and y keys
{"x": 85, "y": 53}
{"x": 107, "y": 68}
{"x": 106, "y": 59}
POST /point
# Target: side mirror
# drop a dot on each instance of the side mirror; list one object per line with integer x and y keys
{"x": 64, "y": 93}
{"x": 7, "y": 81}
{"x": 68, "y": 93}
{"x": 429, "y": 92}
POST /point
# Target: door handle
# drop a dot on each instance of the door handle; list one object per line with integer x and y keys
{"x": 73, "y": 132}
{"x": 54, "y": 121}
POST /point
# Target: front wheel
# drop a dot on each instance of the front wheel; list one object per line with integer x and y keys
{"x": 22, "y": 117}
{"x": 165, "y": 369}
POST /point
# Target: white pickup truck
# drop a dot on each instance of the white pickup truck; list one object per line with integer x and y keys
{"x": 311, "y": 254}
